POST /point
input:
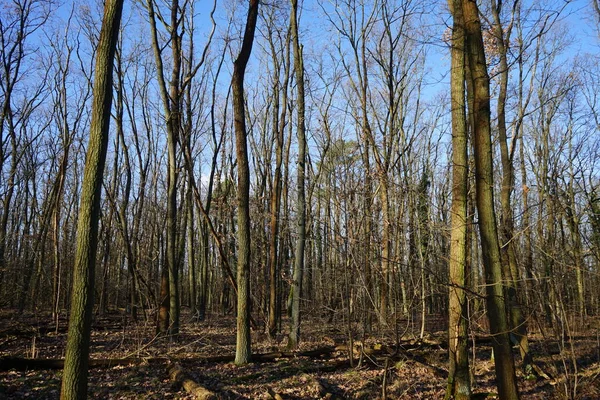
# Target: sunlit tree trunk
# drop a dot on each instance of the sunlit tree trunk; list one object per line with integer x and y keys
{"x": 573, "y": 218}
{"x": 74, "y": 381}
{"x": 459, "y": 385}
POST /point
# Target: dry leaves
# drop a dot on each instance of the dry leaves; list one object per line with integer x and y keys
{"x": 413, "y": 376}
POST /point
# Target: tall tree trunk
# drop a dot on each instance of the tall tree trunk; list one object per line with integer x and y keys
{"x": 171, "y": 99}
{"x": 74, "y": 382}
{"x": 459, "y": 385}
{"x": 294, "y": 336}
{"x": 279, "y": 124}
{"x": 243, "y": 350}
{"x": 174, "y": 120}
{"x": 10, "y": 185}
{"x": 191, "y": 253}
{"x": 385, "y": 244}
{"x": 490, "y": 247}
{"x": 58, "y": 195}
{"x": 128, "y": 239}
{"x": 511, "y": 274}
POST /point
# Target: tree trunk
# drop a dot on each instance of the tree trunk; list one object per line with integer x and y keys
{"x": 294, "y": 336}
{"x": 173, "y": 131}
{"x": 171, "y": 100}
{"x": 279, "y": 123}
{"x": 243, "y": 343}
{"x": 459, "y": 385}
{"x": 490, "y": 247}
{"x": 74, "y": 382}
{"x": 191, "y": 253}
{"x": 511, "y": 274}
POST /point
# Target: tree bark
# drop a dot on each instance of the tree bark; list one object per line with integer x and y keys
{"x": 294, "y": 336}
{"x": 177, "y": 374}
{"x": 459, "y": 385}
{"x": 243, "y": 344}
{"x": 171, "y": 99}
{"x": 279, "y": 124}
{"x": 508, "y": 255}
{"x": 490, "y": 247}
{"x": 74, "y": 383}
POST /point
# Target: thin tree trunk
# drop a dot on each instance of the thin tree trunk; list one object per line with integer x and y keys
{"x": 174, "y": 120}
{"x": 171, "y": 99}
{"x": 294, "y": 336}
{"x": 279, "y": 124}
{"x": 511, "y": 274}
{"x": 191, "y": 254}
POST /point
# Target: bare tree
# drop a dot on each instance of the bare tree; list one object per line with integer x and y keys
{"x": 280, "y": 58}
{"x": 171, "y": 95}
{"x": 502, "y": 37}
{"x": 18, "y": 22}
{"x": 294, "y": 336}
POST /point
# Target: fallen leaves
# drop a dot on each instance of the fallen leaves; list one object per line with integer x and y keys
{"x": 415, "y": 373}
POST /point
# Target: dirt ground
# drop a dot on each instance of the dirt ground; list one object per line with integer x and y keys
{"x": 417, "y": 370}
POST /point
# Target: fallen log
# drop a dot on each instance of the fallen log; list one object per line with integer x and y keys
{"x": 272, "y": 395}
{"x": 392, "y": 353}
{"x": 29, "y": 331}
{"x": 177, "y": 374}
{"x": 25, "y": 364}
{"x": 270, "y": 357}
{"x": 318, "y": 352}
{"x": 383, "y": 349}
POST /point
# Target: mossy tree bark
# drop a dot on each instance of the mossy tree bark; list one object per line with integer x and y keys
{"x": 459, "y": 385}
{"x": 74, "y": 383}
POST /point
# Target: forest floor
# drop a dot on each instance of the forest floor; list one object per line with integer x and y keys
{"x": 415, "y": 370}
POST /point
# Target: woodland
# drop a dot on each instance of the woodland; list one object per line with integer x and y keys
{"x": 300, "y": 199}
